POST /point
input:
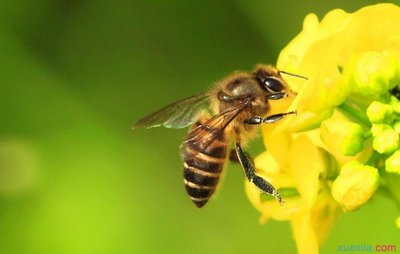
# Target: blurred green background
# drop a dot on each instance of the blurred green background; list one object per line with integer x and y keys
{"x": 74, "y": 76}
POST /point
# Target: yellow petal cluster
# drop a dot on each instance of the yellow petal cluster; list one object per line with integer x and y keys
{"x": 374, "y": 72}
{"x": 319, "y": 160}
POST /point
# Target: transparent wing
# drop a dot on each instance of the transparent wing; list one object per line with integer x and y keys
{"x": 204, "y": 134}
{"x": 176, "y": 115}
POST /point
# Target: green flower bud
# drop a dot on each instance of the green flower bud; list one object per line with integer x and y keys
{"x": 393, "y": 101}
{"x": 375, "y": 73}
{"x": 376, "y": 129}
{"x": 355, "y": 185}
{"x": 392, "y": 164}
{"x": 377, "y": 112}
{"x": 396, "y": 108}
{"x": 386, "y": 141}
{"x": 342, "y": 135}
{"x": 396, "y": 127}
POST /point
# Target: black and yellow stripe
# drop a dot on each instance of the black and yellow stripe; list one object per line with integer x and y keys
{"x": 202, "y": 167}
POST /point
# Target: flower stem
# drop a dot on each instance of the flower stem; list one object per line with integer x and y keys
{"x": 354, "y": 114}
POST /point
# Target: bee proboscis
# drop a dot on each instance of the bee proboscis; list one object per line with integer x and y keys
{"x": 227, "y": 114}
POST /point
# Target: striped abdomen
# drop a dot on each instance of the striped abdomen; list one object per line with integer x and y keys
{"x": 203, "y": 162}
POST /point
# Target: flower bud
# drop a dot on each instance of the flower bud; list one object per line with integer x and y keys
{"x": 396, "y": 127}
{"x": 393, "y": 100}
{"x": 377, "y": 112}
{"x": 355, "y": 184}
{"x": 343, "y": 135}
{"x": 398, "y": 222}
{"x": 374, "y": 73}
{"x": 392, "y": 164}
{"x": 378, "y": 128}
{"x": 386, "y": 141}
{"x": 396, "y": 107}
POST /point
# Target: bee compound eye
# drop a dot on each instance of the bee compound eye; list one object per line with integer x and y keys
{"x": 273, "y": 85}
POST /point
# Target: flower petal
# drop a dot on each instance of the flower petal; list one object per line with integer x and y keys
{"x": 306, "y": 169}
{"x": 303, "y": 233}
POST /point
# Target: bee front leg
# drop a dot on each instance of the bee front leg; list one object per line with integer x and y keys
{"x": 258, "y": 181}
{"x": 269, "y": 119}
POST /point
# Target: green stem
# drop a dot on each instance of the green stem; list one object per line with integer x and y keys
{"x": 354, "y": 113}
{"x": 373, "y": 159}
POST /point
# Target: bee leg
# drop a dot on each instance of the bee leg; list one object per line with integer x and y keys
{"x": 258, "y": 181}
{"x": 234, "y": 158}
{"x": 269, "y": 119}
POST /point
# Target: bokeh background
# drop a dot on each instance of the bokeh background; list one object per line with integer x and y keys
{"x": 75, "y": 75}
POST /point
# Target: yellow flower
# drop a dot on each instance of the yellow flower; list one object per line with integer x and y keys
{"x": 374, "y": 73}
{"x": 311, "y": 210}
{"x": 322, "y": 51}
{"x": 355, "y": 185}
{"x": 350, "y": 60}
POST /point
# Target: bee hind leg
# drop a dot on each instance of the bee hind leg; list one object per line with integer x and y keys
{"x": 233, "y": 157}
{"x": 248, "y": 167}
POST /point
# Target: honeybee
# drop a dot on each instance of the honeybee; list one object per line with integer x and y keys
{"x": 237, "y": 105}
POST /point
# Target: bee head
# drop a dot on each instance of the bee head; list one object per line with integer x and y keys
{"x": 269, "y": 78}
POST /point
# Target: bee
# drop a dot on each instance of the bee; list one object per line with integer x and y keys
{"x": 227, "y": 114}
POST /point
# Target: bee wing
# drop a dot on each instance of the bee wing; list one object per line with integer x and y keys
{"x": 204, "y": 134}
{"x": 176, "y": 115}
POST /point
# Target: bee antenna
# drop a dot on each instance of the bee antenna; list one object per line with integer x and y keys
{"x": 294, "y": 75}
